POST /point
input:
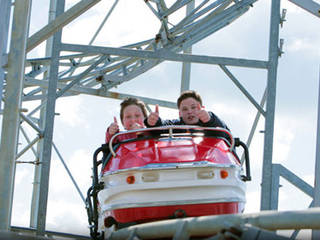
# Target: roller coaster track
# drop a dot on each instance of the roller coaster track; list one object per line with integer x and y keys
{"x": 95, "y": 70}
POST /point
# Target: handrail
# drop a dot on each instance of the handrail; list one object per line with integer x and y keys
{"x": 171, "y": 134}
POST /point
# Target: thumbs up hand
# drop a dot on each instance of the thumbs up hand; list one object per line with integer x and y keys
{"x": 203, "y": 115}
{"x": 153, "y": 117}
{"x": 114, "y": 127}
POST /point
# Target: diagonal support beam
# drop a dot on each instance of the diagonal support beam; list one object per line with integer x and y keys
{"x": 82, "y": 75}
{"x": 308, "y": 5}
{"x": 242, "y": 89}
{"x": 165, "y": 55}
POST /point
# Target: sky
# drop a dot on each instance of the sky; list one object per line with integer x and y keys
{"x": 82, "y": 120}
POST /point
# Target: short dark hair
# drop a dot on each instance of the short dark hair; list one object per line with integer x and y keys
{"x": 188, "y": 94}
{"x": 132, "y": 101}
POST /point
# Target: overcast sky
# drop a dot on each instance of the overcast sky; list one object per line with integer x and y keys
{"x": 80, "y": 127}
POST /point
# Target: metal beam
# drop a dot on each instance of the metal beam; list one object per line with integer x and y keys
{"x": 10, "y": 124}
{"x": 266, "y": 184}
{"x": 45, "y": 155}
{"x": 295, "y": 180}
{"x": 255, "y": 124}
{"x": 317, "y": 165}
{"x": 316, "y": 191}
{"x": 209, "y": 225}
{"x": 308, "y": 5}
{"x": 186, "y": 66}
{"x": 4, "y": 34}
{"x": 42, "y": 111}
{"x": 164, "y": 54}
{"x": 242, "y": 89}
{"x": 97, "y": 92}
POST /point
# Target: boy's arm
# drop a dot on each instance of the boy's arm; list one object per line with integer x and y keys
{"x": 214, "y": 122}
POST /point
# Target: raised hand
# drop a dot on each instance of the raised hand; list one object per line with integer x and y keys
{"x": 114, "y": 127}
{"x": 203, "y": 115}
{"x": 153, "y": 117}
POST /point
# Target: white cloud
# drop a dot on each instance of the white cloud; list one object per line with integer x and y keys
{"x": 253, "y": 202}
{"x": 66, "y": 210}
{"x": 79, "y": 164}
{"x": 123, "y": 26}
{"x": 304, "y": 45}
{"x": 72, "y": 112}
{"x": 291, "y": 7}
{"x": 284, "y": 134}
{"x": 66, "y": 216}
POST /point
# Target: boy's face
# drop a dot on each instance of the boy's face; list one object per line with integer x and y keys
{"x": 188, "y": 110}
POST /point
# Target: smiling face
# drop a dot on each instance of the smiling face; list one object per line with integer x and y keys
{"x": 132, "y": 117}
{"x": 188, "y": 111}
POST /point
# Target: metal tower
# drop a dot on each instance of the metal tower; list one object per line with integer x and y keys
{"x": 72, "y": 69}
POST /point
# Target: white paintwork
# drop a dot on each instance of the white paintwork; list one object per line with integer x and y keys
{"x": 173, "y": 187}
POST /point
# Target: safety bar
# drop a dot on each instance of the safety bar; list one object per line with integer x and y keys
{"x": 172, "y": 134}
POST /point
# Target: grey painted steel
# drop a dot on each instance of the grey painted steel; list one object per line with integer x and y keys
{"x": 295, "y": 180}
{"x": 186, "y": 66}
{"x": 42, "y": 109}
{"x": 266, "y": 185}
{"x": 59, "y": 22}
{"x": 275, "y": 186}
{"x": 26, "y": 148}
{"x": 189, "y": 31}
{"x": 98, "y": 92}
{"x": 280, "y": 171}
{"x": 81, "y": 76}
{"x": 28, "y": 140}
{"x": 209, "y": 225}
{"x": 45, "y": 155}
{"x": 316, "y": 196}
{"x": 50, "y": 234}
{"x": 4, "y": 27}
{"x": 165, "y": 55}
{"x": 10, "y": 125}
{"x": 98, "y": 30}
{"x": 308, "y": 5}
{"x": 31, "y": 123}
{"x": 316, "y": 190}
{"x": 255, "y": 124}
{"x": 242, "y": 89}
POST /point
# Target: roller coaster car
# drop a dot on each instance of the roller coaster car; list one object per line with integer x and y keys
{"x": 168, "y": 172}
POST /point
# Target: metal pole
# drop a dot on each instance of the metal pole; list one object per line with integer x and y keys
{"x": 4, "y": 27}
{"x": 209, "y": 225}
{"x": 11, "y": 116}
{"x": 186, "y": 66}
{"x": 37, "y": 170}
{"x": 45, "y": 155}
{"x": 316, "y": 191}
{"x": 255, "y": 123}
{"x": 266, "y": 185}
